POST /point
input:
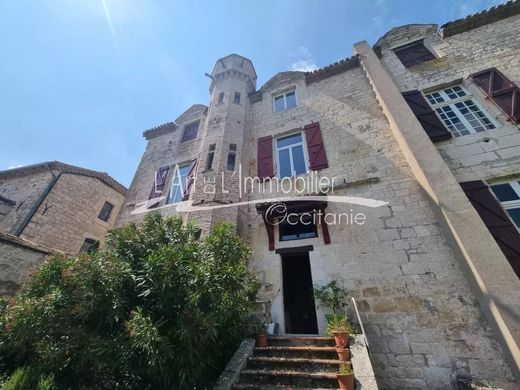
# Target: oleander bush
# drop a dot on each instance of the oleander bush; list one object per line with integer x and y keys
{"x": 157, "y": 308}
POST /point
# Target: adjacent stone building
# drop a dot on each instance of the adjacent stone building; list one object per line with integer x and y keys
{"x": 427, "y": 121}
{"x": 52, "y": 207}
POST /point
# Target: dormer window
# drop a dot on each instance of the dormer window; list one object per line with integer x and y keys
{"x": 285, "y": 101}
{"x": 190, "y": 131}
{"x": 413, "y": 53}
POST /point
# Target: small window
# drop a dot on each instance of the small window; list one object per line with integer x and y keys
{"x": 459, "y": 111}
{"x": 508, "y": 194}
{"x": 236, "y": 99}
{"x": 285, "y": 101}
{"x": 180, "y": 178}
{"x": 105, "y": 212}
{"x": 211, "y": 155}
{"x": 298, "y": 227}
{"x": 89, "y": 245}
{"x": 190, "y": 131}
{"x": 290, "y": 156}
{"x": 232, "y": 155}
{"x": 220, "y": 98}
{"x": 413, "y": 54}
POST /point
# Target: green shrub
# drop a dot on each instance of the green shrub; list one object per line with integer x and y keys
{"x": 157, "y": 308}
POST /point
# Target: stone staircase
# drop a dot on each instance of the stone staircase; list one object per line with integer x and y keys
{"x": 291, "y": 363}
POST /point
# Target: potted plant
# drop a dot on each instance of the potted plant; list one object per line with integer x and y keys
{"x": 345, "y": 377}
{"x": 343, "y": 353}
{"x": 340, "y": 328}
{"x": 261, "y": 337}
{"x": 331, "y": 295}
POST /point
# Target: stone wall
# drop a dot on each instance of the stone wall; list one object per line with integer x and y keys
{"x": 162, "y": 150}
{"x": 24, "y": 190}
{"x": 18, "y": 258}
{"x": 69, "y": 213}
{"x": 422, "y": 319}
{"x": 483, "y": 156}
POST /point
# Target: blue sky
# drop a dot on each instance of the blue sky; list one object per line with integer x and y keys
{"x": 82, "y": 79}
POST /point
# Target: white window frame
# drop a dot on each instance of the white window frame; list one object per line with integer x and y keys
{"x": 509, "y": 204}
{"x": 284, "y": 94}
{"x": 180, "y": 184}
{"x": 303, "y": 144}
{"x": 451, "y": 102}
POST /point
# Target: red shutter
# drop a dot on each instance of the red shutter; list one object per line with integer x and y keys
{"x": 265, "y": 157}
{"x": 426, "y": 116}
{"x": 502, "y": 91}
{"x": 158, "y": 184}
{"x": 496, "y": 220}
{"x": 189, "y": 179}
{"x": 315, "y": 147}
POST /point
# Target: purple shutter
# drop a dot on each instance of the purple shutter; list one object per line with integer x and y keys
{"x": 265, "y": 157}
{"x": 190, "y": 179}
{"x": 496, "y": 220}
{"x": 158, "y": 184}
{"x": 502, "y": 91}
{"x": 426, "y": 116}
{"x": 315, "y": 147}
{"x": 413, "y": 54}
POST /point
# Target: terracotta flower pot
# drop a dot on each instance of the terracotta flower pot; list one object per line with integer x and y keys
{"x": 261, "y": 340}
{"x": 341, "y": 338}
{"x": 346, "y": 381}
{"x": 343, "y": 353}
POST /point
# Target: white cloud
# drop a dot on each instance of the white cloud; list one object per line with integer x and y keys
{"x": 15, "y": 166}
{"x": 306, "y": 61}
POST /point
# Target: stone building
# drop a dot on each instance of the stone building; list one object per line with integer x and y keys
{"x": 52, "y": 207}
{"x": 428, "y": 121}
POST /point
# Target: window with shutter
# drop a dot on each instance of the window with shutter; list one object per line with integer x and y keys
{"x": 500, "y": 90}
{"x": 179, "y": 183}
{"x": 426, "y": 116}
{"x": 459, "y": 111}
{"x": 413, "y": 53}
{"x": 495, "y": 218}
{"x": 265, "y": 157}
{"x": 190, "y": 131}
{"x": 315, "y": 147}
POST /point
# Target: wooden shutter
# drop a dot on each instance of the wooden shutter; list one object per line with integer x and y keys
{"x": 265, "y": 157}
{"x": 426, "y": 116}
{"x": 496, "y": 220}
{"x": 158, "y": 184}
{"x": 413, "y": 54}
{"x": 190, "y": 179}
{"x": 315, "y": 147}
{"x": 502, "y": 91}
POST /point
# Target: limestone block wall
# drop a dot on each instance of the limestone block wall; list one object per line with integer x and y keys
{"x": 17, "y": 260}
{"x": 162, "y": 150}
{"x": 423, "y": 322}
{"x": 69, "y": 213}
{"x": 24, "y": 190}
{"x": 487, "y": 155}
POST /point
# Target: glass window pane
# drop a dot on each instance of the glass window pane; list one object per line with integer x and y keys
{"x": 504, "y": 192}
{"x": 290, "y": 140}
{"x": 279, "y": 104}
{"x": 285, "y": 163}
{"x": 515, "y": 216}
{"x": 298, "y": 160}
{"x": 290, "y": 99}
{"x": 297, "y": 228}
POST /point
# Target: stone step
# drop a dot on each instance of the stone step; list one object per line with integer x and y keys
{"x": 292, "y": 364}
{"x": 246, "y": 386}
{"x": 307, "y": 352}
{"x": 315, "y": 341}
{"x": 289, "y": 378}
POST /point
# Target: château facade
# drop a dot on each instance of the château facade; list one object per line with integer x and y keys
{"x": 426, "y": 120}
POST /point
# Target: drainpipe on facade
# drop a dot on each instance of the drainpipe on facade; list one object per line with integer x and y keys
{"x": 17, "y": 231}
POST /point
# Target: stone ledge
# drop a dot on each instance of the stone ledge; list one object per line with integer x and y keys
{"x": 16, "y": 241}
{"x": 231, "y": 373}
